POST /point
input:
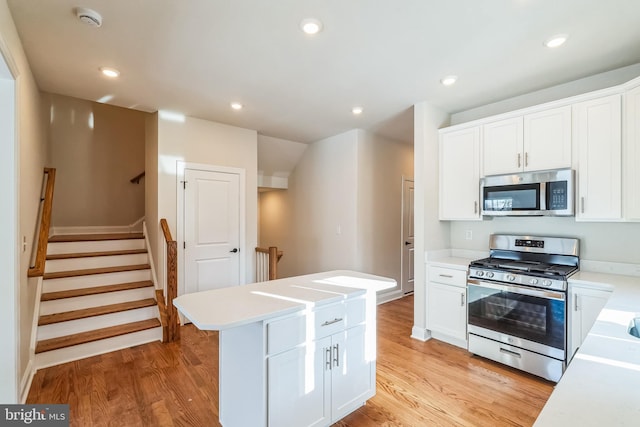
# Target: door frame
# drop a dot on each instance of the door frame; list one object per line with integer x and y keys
{"x": 405, "y": 179}
{"x": 10, "y": 225}
{"x": 245, "y": 252}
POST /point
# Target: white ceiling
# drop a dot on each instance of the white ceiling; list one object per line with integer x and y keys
{"x": 196, "y": 56}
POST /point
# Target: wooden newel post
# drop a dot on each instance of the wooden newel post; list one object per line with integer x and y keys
{"x": 273, "y": 262}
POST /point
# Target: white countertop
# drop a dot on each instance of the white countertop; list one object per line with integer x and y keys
{"x": 600, "y": 387}
{"x": 234, "y": 306}
{"x": 456, "y": 263}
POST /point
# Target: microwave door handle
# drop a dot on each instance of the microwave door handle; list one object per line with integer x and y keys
{"x": 543, "y": 196}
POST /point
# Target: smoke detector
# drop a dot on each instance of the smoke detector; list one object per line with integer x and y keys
{"x": 89, "y": 16}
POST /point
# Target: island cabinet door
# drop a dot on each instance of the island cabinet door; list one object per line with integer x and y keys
{"x": 298, "y": 393}
{"x": 352, "y": 382}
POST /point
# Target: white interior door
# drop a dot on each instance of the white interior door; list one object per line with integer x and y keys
{"x": 407, "y": 236}
{"x": 211, "y": 230}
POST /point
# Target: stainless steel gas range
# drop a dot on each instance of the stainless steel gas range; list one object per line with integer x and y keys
{"x": 517, "y": 302}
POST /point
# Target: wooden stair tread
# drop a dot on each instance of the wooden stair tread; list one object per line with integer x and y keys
{"x": 98, "y": 334}
{"x": 94, "y": 311}
{"x": 50, "y": 296}
{"x": 89, "y": 271}
{"x": 96, "y": 254}
{"x": 94, "y": 237}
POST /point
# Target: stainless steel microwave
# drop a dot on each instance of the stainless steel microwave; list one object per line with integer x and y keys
{"x": 549, "y": 193}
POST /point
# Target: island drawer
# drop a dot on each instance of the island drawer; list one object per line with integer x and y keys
{"x": 286, "y": 333}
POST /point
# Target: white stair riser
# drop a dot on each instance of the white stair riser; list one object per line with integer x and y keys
{"x": 81, "y": 351}
{"x": 88, "y": 301}
{"x": 79, "y": 282}
{"x": 56, "y": 248}
{"x": 71, "y": 327}
{"x": 94, "y": 262}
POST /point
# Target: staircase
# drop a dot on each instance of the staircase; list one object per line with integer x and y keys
{"x": 97, "y": 297}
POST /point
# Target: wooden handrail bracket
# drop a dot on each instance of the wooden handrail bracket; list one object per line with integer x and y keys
{"x": 45, "y": 222}
{"x": 136, "y": 179}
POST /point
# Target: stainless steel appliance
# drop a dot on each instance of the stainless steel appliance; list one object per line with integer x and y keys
{"x": 517, "y": 302}
{"x": 549, "y": 193}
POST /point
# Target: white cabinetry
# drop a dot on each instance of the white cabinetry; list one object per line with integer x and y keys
{"x": 446, "y": 305}
{"x": 597, "y": 145}
{"x": 460, "y": 174}
{"x": 632, "y": 155}
{"x": 584, "y": 307}
{"x": 536, "y": 141}
{"x": 318, "y": 370}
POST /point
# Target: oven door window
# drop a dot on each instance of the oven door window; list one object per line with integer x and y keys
{"x": 523, "y": 197}
{"x": 536, "y": 319}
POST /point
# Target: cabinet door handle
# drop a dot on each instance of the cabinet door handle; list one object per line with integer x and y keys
{"x": 582, "y": 204}
{"x": 475, "y": 207}
{"x": 327, "y": 356}
{"x": 526, "y": 159}
{"x": 336, "y": 358}
{"x": 331, "y": 322}
{"x": 519, "y": 163}
{"x": 448, "y": 276}
{"x": 461, "y": 300}
{"x": 575, "y": 303}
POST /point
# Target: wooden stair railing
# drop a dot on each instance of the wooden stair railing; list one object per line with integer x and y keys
{"x": 171, "y": 313}
{"x": 136, "y": 179}
{"x": 37, "y": 268}
{"x": 274, "y": 256}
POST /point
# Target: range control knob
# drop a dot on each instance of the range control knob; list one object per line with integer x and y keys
{"x": 546, "y": 282}
{"x": 533, "y": 281}
{"x": 479, "y": 273}
{"x": 489, "y": 274}
{"x": 511, "y": 277}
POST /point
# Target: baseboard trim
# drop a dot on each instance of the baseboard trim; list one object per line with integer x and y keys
{"x": 420, "y": 334}
{"x": 135, "y": 227}
{"x": 27, "y": 379}
{"x": 389, "y": 296}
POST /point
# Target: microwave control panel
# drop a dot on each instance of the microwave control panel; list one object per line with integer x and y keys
{"x": 557, "y": 195}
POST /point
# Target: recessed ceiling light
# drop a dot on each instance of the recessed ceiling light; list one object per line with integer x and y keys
{"x": 557, "y": 40}
{"x": 448, "y": 80}
{"x": 357, "y": 110}
{"x": 109, "y": 72}
{"x": 236, "y": 106}
{"x": 311, "y": 26}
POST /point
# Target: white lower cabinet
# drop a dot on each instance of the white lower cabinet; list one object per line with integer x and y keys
{"x": 319, "y": 381}
{"x": 585, "y": 304}
{"x": 446, "y": 305}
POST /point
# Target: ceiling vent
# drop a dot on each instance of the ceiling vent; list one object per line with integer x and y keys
{"x": 89, "y": 17}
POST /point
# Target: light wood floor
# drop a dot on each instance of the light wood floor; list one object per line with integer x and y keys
{"x": 418, "y": 384}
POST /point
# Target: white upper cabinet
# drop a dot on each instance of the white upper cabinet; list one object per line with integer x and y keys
{"x": 597, "y": 149}
{"x": 631, "y": 150}
{"x": 460, "y": 174}
{"x": 536, "y": 141}
{"x": 503, "y": 142}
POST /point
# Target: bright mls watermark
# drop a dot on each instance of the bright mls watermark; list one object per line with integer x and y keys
{"x": 34, "y": 415}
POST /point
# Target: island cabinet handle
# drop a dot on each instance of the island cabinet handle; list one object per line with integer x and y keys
{"x": 331, "y": 322}
{"x": 337, "y": 355}
{"x": 327, "y": 356}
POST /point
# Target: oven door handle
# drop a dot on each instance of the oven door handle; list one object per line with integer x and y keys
{"x": 519, "y": 290}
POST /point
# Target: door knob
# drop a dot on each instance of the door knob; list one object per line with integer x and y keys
{"x": 234, "y": 250}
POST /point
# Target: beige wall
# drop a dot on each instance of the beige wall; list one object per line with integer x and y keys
{"x": 342, "y": 208}
{"x": 96, "y": 149}
{"x": 381, "y": 165}
{"x": 31, "y": 151}
{"x": 200, "y": 141}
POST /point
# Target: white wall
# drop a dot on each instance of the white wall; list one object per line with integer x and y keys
{"x": 431, "y": 234}
{"x": 30, "y": 150}
{"x": 96, "y": 150}
{"x": 200, "y": 141}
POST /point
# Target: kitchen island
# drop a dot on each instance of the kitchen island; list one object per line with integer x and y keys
{"x": 293, "y": 352}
